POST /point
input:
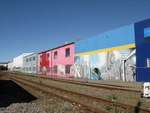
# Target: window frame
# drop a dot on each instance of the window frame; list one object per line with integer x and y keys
{"x": 47, "y": 56}
{"x": 148, "y": 62}
{"x": 55, "y": 68}
{"x": 67, "y": 69}
{"x": 40, "y": 69}
{"x": 26, "y": 59}
{"x": 40, "y": 58}
{"x": 26, "y": 68}
{"x": 30, "y": 59}
{"x": 33, "y": 58}
{"x": 55, "y": 55}
{"x": 33, "y": 68}
{"x": 67, "y": 52}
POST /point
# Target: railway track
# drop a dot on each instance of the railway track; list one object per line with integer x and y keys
{"x": 86, "y": 83}
{"x": 96, "y": 85}
{"x": 89, "y": 102}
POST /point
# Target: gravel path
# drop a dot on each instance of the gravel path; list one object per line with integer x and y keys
{"x": 43, "y": 104}
{"x": 49, "y": 104}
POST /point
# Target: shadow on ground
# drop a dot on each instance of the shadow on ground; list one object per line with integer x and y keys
{"x": 10, "y": 93}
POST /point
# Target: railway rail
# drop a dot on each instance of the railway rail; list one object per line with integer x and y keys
{"x": 92, "y": 84}
{"x": 92, "y": 103}
{"x": 87, "y": 83}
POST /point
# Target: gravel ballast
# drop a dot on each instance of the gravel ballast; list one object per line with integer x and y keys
{"x": 49, "y": 104}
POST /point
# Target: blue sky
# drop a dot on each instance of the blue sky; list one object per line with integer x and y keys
{"x": 39, "y": 25}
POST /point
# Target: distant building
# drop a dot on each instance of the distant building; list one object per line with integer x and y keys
{"x": 30, "y": 63}
{"x": 3, "y": 65}
{"x": 57, "y": 61}
{"x": 18, "y": 62}
{"x": 10, "y": 66}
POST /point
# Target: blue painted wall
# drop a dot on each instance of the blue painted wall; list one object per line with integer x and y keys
{"x": 142, "y": 50}
{"x": 108, "y": 63}
{"x": 121, "y": 36}
{"x": 138, "y": 33}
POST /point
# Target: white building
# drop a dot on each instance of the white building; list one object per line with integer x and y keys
{"x": 10, "y": 66}
{"x": 18, "y": 62}
{"x": 30, "y": 63}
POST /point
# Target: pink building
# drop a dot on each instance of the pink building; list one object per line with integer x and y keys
{"x": 58, "y": 61}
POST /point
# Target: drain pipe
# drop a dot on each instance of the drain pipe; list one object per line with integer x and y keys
{"x": 123, "y": 62}
{"x": 123, "y": 75}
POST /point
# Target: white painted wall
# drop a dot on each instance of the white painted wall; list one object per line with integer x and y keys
{"x": 18, "y": 61}
{"x": 28, "y": 66}
{"x": 10, "y": 66}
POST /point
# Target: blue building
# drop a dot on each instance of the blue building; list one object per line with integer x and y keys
{"x": 142, "y": 39}
{"x": 115, "y": 55}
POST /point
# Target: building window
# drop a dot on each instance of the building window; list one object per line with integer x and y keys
{"x": 30, "y": 59}
{"x": 27, "y": 60}
{"x": 67, "y": 69}
{"x": 41, "y": 58}
{"x": 26, "y": 68}
{"x": 29, "y": 68}
{"x": 41, "y": 69}
{"x": 147, "y": 34}
{"x": 33, "y": 68}
{"x": 48, "y": 68}
{"x": 148, "y": 62}
{"x": 67, "y": 52}
{"x": 33, "y": 58}
{"x": 55, "y": 55}
{"x": 55, "y": 69}
{"x": 47, "y": 56}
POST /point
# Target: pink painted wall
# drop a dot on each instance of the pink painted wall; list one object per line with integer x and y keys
{"x": 39, "y": 63}
{"x": 61, "y": 61}
{"x": 49, "y": 62}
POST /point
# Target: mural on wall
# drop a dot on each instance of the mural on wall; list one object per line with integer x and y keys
{"x": 61, "y": 69}
{"x": 46, "y": 69}
{"x": 112, "y": 65}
